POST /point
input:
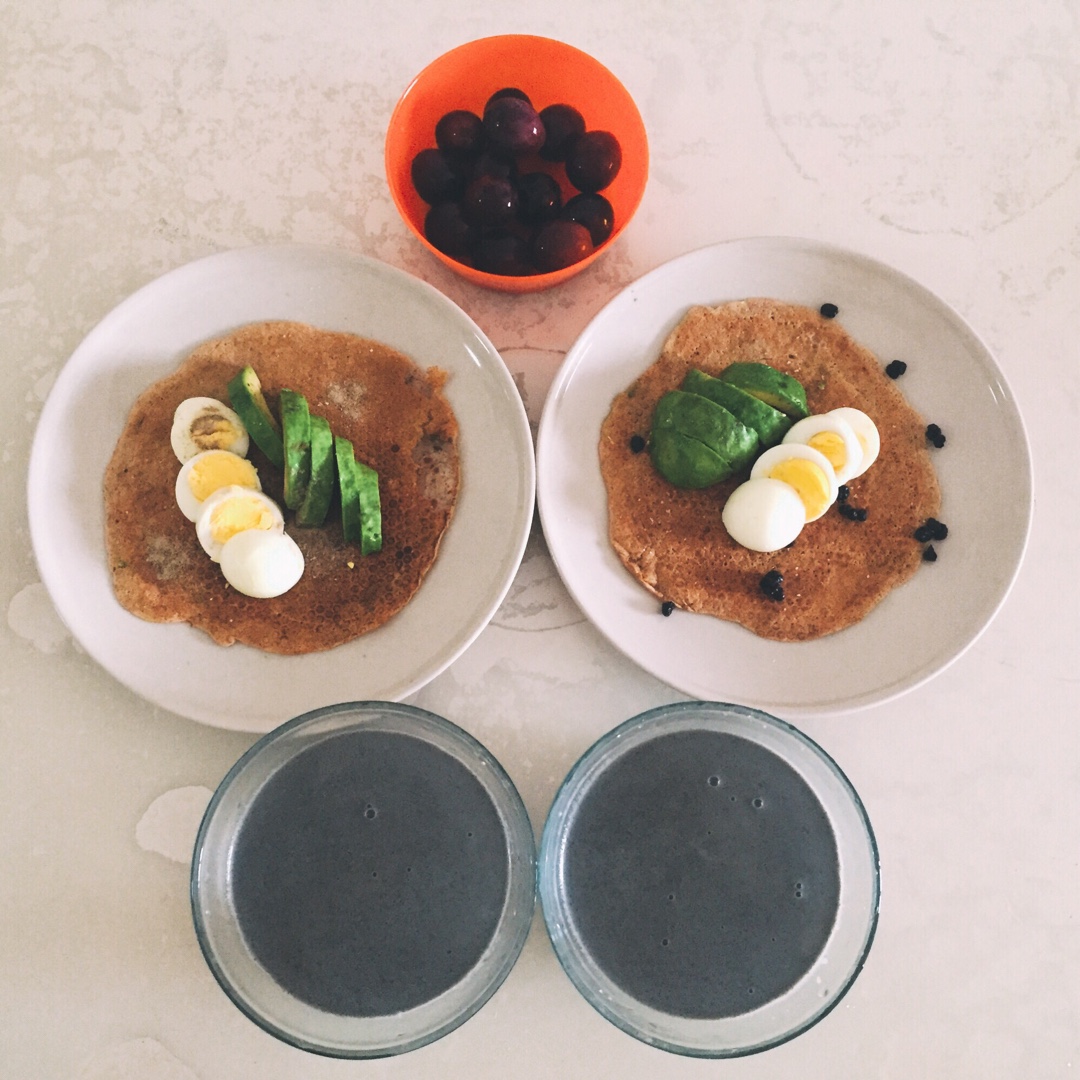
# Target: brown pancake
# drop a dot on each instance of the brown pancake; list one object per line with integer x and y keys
{"x": 673, "y": 540}
{"x": 399, "y": 423}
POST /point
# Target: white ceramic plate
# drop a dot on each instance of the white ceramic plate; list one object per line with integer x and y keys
{"x": 984, "y": 469}
{"x": 145, "y": 338}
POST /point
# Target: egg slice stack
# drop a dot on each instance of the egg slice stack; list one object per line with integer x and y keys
{"x": 796, "y": 481}
{"x": 239, "y": 527}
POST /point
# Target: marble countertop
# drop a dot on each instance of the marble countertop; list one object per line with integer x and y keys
{"x": 941, "y": 138}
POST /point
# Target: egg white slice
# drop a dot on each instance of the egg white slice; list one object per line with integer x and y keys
{"x": 807, "y": 470}
{"x": 261, "y": 564}
{"x": 834, "y": 437}
{"x": 209, "y": 471}
{"x": 231, "y": 510}
{"x": 865, "y": 431}
{"x": 204, "y": 423}
{"x": 763, "y": 514}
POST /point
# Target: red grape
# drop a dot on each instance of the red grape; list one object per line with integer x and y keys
{"x": 539, "y": 198}
{"x": 461, "y": 131}
{"x": 502, "y": 253}
{"x": 448, "y": 231}
{"x": 593, "y": 160}
{"x": 435, "y": 177}
{"x": 559, "y": 244}
{"x": 561, "y": 123}
{"x": 508, "y": 91}
{"x": 513, "y": 125}
{"x": 489, "y": 202}
{"x": 594, "y": 212}
{"x": 489, "y": 163}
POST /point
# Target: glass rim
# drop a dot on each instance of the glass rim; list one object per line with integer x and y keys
{"x": 812, "y": 997}
{"x": 254, "y": 991}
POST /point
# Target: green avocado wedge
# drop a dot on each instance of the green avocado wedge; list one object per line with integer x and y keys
{"x": 686, "y": 462}
{"x": 770, "y": 424}
{"x": 367, "y": 490}
{"x": 315, "y": 506}
{"x": 767, "y": 384}
{"x": 247, "y": 400}
{"x": 361, "y": 505}
{"x": 700, "y": 420}
{"x": 296, "y": 434}
{"x": 349, "y": 489}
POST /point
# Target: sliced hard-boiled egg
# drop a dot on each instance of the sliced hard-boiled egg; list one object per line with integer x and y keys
{"x": 865, "y": 431}
{"x": 834, "y": 437}
{"x": 261, "y": 564}
{"x": 231, "y": 510}
{"x": 209, "y": 471}
{"x": 763, "y": 514}
{"x": 204, "y": 423}
{"x": 807, "y": 470}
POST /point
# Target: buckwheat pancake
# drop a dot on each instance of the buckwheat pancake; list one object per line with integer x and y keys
{"x": 673, "y": 541}
{"x": 399, "y": 422}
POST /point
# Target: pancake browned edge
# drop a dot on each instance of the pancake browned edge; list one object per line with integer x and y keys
{"x": 673, "y": 541}
{"x": 399, "y": 423}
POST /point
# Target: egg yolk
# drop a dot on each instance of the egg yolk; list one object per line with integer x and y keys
{"x": 809, "y": 481}
{"x": 219, "y": 470}
{"x": 831, "y": 445}
{"x": 212, "y": 431}
{"x": 236, "y": 515}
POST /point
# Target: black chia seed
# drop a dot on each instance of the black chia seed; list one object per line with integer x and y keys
{"x": 772, "y": 585}
{"x": 829, "y": 311}
{"x": 666, "y": 608}
{"x": 852, "y": 513}
{"x": 931, "y": 529}
{"x": 637, "y": 444}
{"x": 896, "y": 369}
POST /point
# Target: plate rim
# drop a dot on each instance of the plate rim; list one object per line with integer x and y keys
{"x": 327, "y": 259}
{"x": 576, "y": 359}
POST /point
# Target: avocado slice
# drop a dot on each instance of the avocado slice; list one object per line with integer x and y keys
{"x": 361, "y": 508}
{"x": 296, "y": 434}
{"x": 686, "y": 462}
{"x": 367, "y": 490}
{"x": 247, "y": 400}
{"x": 699, "y": 418}
{"x": 695, "y": 442}
{"x": 767, "y": 384}
{"x": 770, "y": 424}
{"x": 316, "y": 503}
{"x": 348, "y": 485}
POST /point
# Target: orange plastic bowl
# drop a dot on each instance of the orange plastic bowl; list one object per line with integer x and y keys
{"x": 549, "y": 72}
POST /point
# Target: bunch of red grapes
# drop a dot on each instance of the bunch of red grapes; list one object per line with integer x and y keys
{"x": 493, "y": 204}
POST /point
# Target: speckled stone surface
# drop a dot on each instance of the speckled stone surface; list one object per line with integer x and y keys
{"x": 942, "y": 138}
